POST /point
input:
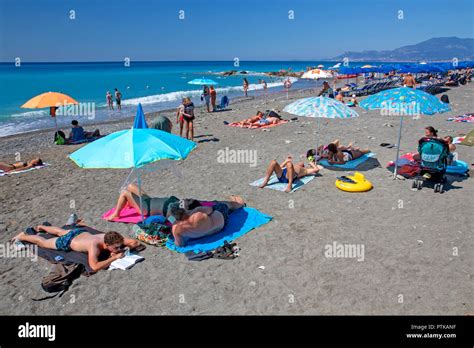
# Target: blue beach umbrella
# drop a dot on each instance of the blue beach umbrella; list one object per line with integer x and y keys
{"x": 140, "y": 121}
{"x": 202, "y": 82}
{"x": 404, "y": 101}
{"x": 320, "y": 107}
{"x": 133, "y": 148}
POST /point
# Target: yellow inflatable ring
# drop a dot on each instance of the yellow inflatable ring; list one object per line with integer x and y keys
{"x": 361, "y": 183}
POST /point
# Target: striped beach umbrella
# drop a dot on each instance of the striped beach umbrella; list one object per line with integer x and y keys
{"x": 320, "y": 107}
{"x": 404, "y": 101}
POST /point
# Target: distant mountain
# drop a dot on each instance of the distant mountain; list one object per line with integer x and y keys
{"x": 435, "y": 49}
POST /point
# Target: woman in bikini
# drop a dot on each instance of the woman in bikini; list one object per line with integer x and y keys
{"x": 343, "y": 154}
{"x": 18, "y": 166}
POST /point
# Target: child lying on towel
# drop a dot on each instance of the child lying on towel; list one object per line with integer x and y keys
{"x": 78, "y": 239}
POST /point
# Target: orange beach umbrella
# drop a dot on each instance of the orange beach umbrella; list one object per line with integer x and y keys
{"x": 49, "y": 100}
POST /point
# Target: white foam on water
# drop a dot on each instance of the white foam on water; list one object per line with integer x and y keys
{"x": 177, "y": 96}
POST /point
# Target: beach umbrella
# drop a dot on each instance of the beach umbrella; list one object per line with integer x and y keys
{"x": 202, "y": 82}
{"x": 132, "y": 148}
{"x": 320, "y": 107}
{"x": 50, "y": 100}
{"x": 404, "y": 101}
{"x": 140, "y": 121}
{"x": 317, "y": 74}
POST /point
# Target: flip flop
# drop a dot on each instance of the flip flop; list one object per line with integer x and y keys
{"x": 226, "y": 123}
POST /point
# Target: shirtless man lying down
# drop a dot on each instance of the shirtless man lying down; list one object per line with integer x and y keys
{"x": 78, "y": 239}
{"x": 201, "y": 221}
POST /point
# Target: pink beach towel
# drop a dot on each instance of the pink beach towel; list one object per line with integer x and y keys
{"x": 236, "y": 124}
{"x": 129, "y": 215}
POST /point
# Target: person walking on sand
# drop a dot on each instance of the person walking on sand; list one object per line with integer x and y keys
{"x": 213, "y": 93}
{"x": 110, "y": 101}
{"x": 188, "y": 117}
{"x": 409, "y": 81}
{"x": 264, "y": 83}
{"x": 246, "y": 86}
{"x": 118, "y": 99}
{"x": 206, "y": 97}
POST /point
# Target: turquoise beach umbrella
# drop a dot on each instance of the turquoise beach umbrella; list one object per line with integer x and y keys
{"x": 404, "y": 101}
{"x": 140, "y": 121}
{"x": 202, "y": 82}
{"x": 133, "y": 148}
{"x": 320, "y": 107}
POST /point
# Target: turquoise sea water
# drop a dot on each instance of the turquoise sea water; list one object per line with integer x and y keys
{"x": 157, "y": 85}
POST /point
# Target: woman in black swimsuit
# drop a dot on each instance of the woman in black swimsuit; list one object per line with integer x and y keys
{"x": 188, "y": 117}
{"x": 343, "y": 154}
{"x": 17, "y": 166}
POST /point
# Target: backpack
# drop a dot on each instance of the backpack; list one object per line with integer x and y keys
{"x": 59, "y": 138}
{"x": 60, "y": 279}
{"x": 445, "y": 98}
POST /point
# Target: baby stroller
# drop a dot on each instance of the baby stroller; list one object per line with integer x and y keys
{"x": 434, "y": 160}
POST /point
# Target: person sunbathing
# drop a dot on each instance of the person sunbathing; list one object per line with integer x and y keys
{"x": 151, "y": 205}
{"x": 201, "y": 221}
{"x": 19, "y": 166}
{"x": 78, "y": 239}
{"x": 342, "y": 154}
{"x": 287, "y": 172}
{"x": 353, "y": 102}
{"x": 251, "y": 120}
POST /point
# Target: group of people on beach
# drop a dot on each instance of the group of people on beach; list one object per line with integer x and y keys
{"x": 190, "y": 218}
{"x": 110, "y": 100}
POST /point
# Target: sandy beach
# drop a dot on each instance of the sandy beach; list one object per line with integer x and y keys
{"x": 409, "y": 266}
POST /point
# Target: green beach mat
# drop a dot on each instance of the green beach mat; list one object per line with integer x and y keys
{"x": 469, "y": 139}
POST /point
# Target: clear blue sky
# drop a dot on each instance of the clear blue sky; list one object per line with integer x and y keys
{"x": 40, "y": 30}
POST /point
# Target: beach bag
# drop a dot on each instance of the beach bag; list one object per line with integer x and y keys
{"x": 445, "y": 98}
{"x": 154, "y": 233}
{"x": 59, "y": 138}
{"x": 60, "y": 279}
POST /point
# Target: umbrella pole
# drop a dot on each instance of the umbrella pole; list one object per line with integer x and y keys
{"x": 140, "y": 192}
{"x": 398, "y": 147}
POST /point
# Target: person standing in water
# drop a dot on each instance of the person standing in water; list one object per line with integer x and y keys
{"x": 110, "y": 101}
{"x": 118, "y": 99}
{"x": 246, "y": 86}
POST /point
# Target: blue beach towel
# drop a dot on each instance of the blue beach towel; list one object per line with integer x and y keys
{"x": 351, "y": 164}
{"x": 274, "y": 184}
{"x": 240, "y": 222}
